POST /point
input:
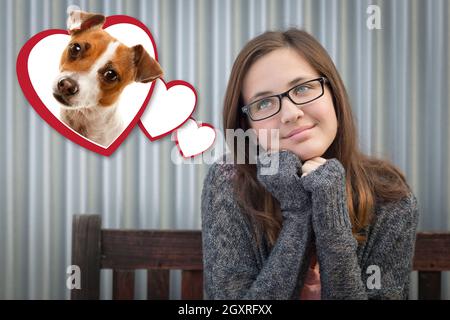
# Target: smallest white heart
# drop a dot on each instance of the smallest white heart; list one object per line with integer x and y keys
{"x": 194, "y": 139}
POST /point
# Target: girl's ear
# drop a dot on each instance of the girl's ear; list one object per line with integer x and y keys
{"x": 244, "y": 123}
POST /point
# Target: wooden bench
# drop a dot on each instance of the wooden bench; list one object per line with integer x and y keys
{"x": 158, "y": 251}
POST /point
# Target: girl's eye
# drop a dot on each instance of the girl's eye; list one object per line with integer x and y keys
{"x": 264, "y": 104}
{"x": 301, "y": 90}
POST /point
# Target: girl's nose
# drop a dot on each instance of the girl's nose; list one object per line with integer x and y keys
{"x": 290, "y": 112}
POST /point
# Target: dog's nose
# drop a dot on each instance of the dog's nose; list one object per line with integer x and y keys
{"x": 67, "y": 87}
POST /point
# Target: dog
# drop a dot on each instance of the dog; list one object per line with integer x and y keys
{"x": 94, "y": 69}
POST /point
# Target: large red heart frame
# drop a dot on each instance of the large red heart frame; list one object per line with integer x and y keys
{"x": 33, "y": 98}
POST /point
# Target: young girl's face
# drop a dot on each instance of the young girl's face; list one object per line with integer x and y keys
{"x": 275, "y": 73}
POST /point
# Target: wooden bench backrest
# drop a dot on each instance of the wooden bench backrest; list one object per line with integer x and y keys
{"x": 124, "y": 251}
{"x": 431, "y": 257}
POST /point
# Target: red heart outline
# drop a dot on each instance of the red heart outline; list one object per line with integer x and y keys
{"x": 204, "y": 124}
{"x": 33, "y": 98}
{"x": 168, "y": 86}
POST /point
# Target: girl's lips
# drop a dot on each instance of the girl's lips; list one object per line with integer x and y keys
{"x": 301, "y": 135}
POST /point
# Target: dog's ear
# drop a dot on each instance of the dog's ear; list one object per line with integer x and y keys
{"x": 147, "y": 68}
{"x": 78, "y": 21}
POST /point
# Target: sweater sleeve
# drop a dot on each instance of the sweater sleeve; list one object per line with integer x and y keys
{"x": 231, "y": 268}
{"x": 392, "y": 250}
{"x": 390, "y": 244}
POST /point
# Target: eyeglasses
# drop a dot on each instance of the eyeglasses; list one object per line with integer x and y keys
{"x": 302, "y": 93}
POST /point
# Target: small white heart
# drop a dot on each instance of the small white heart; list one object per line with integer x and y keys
{"x": 170, "y": 106}
{"x": 194, "y": 139}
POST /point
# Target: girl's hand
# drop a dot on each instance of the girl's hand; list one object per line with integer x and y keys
{"x": 279, "y": 173}
{"x": 311, "y": 165}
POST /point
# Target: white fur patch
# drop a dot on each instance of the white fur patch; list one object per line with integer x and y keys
{"x": 74, "y": 18}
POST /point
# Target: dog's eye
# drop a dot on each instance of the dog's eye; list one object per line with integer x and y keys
{"x": 74, "y": 50}
{"x": 110, "y": 75}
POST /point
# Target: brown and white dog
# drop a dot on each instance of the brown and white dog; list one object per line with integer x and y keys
{"x": 94, "y": 69}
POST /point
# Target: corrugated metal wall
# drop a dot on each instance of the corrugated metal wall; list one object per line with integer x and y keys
{"x": 397, "y": 77}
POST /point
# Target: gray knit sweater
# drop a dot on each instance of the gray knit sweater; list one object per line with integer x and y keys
{"x": 314, "y": 211}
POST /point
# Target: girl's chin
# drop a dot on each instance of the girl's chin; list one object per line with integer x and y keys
{"x": 305, "y": 155}
{"x": 304, "y": 151}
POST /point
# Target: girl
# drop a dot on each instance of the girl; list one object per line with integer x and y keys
{"x": 331, "y": 222}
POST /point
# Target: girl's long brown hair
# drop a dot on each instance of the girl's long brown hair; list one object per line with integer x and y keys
{"x": 368, "y": 180}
